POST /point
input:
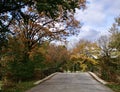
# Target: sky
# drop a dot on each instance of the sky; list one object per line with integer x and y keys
{"x": 97, "y": 19}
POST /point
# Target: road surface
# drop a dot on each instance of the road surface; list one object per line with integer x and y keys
{"x": 71, "y": 82}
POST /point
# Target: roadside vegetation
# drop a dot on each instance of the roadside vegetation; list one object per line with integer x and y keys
{"x": 114, "y": 86}
{"x": 20, "y": 87}
{"x": 110, "y": 57}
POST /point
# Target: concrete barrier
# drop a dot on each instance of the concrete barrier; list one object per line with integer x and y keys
{"x": 97, "y": 78}
{"x": 44, "y": 79}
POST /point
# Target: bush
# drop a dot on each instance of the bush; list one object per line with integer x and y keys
{"x": 110, "y": 69}
{"x": 20, "y": 87}
{"x": 38, "y": 74}
{"x": 21, "y": 70}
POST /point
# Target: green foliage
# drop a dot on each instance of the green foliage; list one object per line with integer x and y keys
{"x": 15, "y": 63}
{"x": 3, "y": 42}
{"x": 110, "y": 57}
{"x": 80, "y": 63}
{"x": 115, "y": 35}
{"x": 21, "y": 70}
{"x": 52, "y": 7}
{"x": 114, "y": 87}
{"x": 55, "y": 56}
{"x": 0, "y": 85}
{"x": 20, "y": 87}
{"x": 110, "y": 69}
{"x": 38, "y": 61}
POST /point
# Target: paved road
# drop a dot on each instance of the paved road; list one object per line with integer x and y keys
{"x": 71, "y": 82}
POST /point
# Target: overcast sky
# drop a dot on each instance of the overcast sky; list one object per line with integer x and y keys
{"x": 96, "y": 19}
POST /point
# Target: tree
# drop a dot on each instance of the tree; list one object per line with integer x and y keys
{"x": 37, "y": 28}
{"x": 82, "y": 62}
{"x": 108, "y": 60}
{"x": 104, "y": 56}
{"x": 90, "y": 49}
{"x": 56, "y": 56}
{"x": 115, "y": 45}
{"x": 49, "y": 6}
{"x": 36, "y": 21}
{"x": 13, "y": 66}
{"x": 30, "y": 23}
{"x": 25, "y": 14}
{"x": 104, "y": 46}
{"x": 115, "y": 35}
{"x": 84, "y": 55}
{"x": 14, "y": 9}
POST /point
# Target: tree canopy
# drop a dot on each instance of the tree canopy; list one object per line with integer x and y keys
{"x": 47, "y": 11}
{"x": 10, "y": 9}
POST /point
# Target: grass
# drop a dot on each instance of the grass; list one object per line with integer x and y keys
{"x": 0, "y": 84}
{"x": 21, "y": 87}
{"x": 114, "y": 87}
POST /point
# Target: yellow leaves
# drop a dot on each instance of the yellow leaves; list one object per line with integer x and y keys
{"x": 34, "y": 52}
{"x": 41, "y": 50}
{"x": 83, "y": 67}
{"x": 84, "y": 61}
{"x": 92, "y": 61}
{"x": 6, "y": 59}
{"x": 78, "y": 57}
{"x": 74, "y": 57}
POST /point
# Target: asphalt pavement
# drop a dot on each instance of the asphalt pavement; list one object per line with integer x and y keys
{"x": 71, "y": 82}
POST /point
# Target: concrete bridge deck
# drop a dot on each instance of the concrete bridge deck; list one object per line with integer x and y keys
{"x": 71, "y": 82}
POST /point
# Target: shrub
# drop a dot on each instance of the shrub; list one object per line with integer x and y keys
{"x": 21, "y": 70}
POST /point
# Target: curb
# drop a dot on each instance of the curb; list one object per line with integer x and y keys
{"x": 97, "y": 78}
{"x": 44, "y": 79}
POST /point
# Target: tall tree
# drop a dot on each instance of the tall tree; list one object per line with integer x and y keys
{"x": 84, "y": 55}
{"x": 115, "y": 34}
{"x": 104, "y": 45}
{"x": 115, "y": 45}
{"x": 14, "y": 9}
{"x": 31, "y": 22}
{"x": 36, "y": 21}
{"x": 109, "y": 61}
{"x": 87, "y": 48}
{"x": 56, "y": 56}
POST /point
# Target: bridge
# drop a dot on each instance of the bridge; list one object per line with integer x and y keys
{"x": 71, "y": 82}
